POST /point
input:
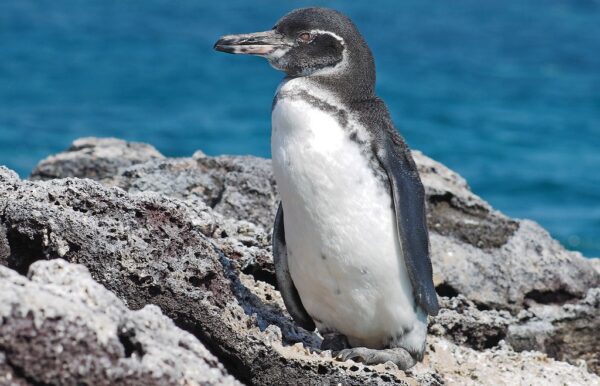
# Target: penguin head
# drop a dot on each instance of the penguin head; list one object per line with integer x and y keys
{"x": 308, "y": 42}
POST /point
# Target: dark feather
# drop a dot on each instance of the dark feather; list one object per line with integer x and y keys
{"x": 291, "y": 299}
{"x": 408, "y": 196}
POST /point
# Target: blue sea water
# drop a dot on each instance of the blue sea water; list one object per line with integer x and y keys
{"x": 507, "y": 93}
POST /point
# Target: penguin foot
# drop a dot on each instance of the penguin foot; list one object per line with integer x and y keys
{"x": 334, "y": 342}
{"x": 399, "y": 356}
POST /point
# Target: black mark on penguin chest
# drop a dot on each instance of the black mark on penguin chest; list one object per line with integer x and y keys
{"x": 343, "y": 118}
{"x": 339, "y": 114}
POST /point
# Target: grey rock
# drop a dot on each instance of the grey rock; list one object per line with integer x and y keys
{"x": 464, "y": 366}
{"x": 455, "y": 212}
{"x": 4, "y": 247}
{"x": 531, "y": 266}
{"x": 95, "y": 158}
{"x": 492, "y": 260}
{"x": 240, "y": 187}
{"x": 596, "y": 264}
{"x": 477, "y": 251}
{"x": 60, "y": 327}
{"x": 10, "y": 375}
{"x": 567, "y": 332}
{"x": 216, "y": 212}
{"x": 463, "y": 323}
{"x": 149, "y": 249}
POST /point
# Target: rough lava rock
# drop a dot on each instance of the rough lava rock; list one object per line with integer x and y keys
{"x": 478, "y": 252}
{"x": 566, "y": 332}
{"x": 498, "y": 366}
{"x": 95, "y": 158}
{"x": 191, "y": 235}
{"x": 151, "y": 249}
{"x": 61, "y": 327}
{"x": 241, "y": 187}
{"x": 493, "y": 260}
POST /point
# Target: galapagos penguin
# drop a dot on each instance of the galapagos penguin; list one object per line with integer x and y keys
{"x": 350, "y": 239}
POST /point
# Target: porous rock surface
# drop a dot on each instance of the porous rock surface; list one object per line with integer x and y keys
{"x": 191, "y": 235}
{"x": 565, "y": 332}
{"x": 182, "y": 257}
{"x": 95, "y": 158}
{"x": 476, "y": 250}
{"x": 61, "y": 327}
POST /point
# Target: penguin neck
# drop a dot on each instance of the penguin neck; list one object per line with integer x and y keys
{"x": 348, "y": 87}
{"x": 351, "y": 80}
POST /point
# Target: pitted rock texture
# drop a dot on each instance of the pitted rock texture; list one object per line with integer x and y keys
{"x": 478, "y": 252}
{"x": 149, "y": 249}
{"x": 158, "y": 232}
{"x": 240, "y": 187}
{"x": 568, "y": 332}
{"x": 462, "y": 322}
{"x": 60, "y": 327}
{"x": 493, "y": 260}
{"x": 95, "y": 158}
{"x": 501, "y": 365}
{"x": 454, "y": 211}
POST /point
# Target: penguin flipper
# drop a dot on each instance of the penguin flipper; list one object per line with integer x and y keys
{"x": 286, "y": 286}
{"x": 409, "y": 205}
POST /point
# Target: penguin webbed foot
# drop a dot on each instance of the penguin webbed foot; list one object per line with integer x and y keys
{"x": 399, "y": 356}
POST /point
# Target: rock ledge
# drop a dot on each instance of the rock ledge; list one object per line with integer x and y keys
{"x": 190, "y": 238}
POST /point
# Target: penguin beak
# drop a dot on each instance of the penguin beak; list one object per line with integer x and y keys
{"x": 257, "y": 43}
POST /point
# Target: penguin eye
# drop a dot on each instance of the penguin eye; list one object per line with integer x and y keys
{"x": 305, "y": 37}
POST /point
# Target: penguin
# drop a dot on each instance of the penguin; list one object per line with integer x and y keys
{"x": 350, "y": 238}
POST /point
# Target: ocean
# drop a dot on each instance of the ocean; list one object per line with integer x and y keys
{"x": 507, "y": 93}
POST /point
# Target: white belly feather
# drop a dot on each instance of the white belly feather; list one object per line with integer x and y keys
{"x": 344, "y": 255}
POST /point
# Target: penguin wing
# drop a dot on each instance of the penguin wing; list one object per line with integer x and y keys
{"x": 291, "y": 299}
{"x": 409, "y": 205}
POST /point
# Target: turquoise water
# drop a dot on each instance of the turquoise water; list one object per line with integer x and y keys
{"x": 507, "y": 93}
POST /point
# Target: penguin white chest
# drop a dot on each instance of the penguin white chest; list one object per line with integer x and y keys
{"x": 344, "y": 255}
